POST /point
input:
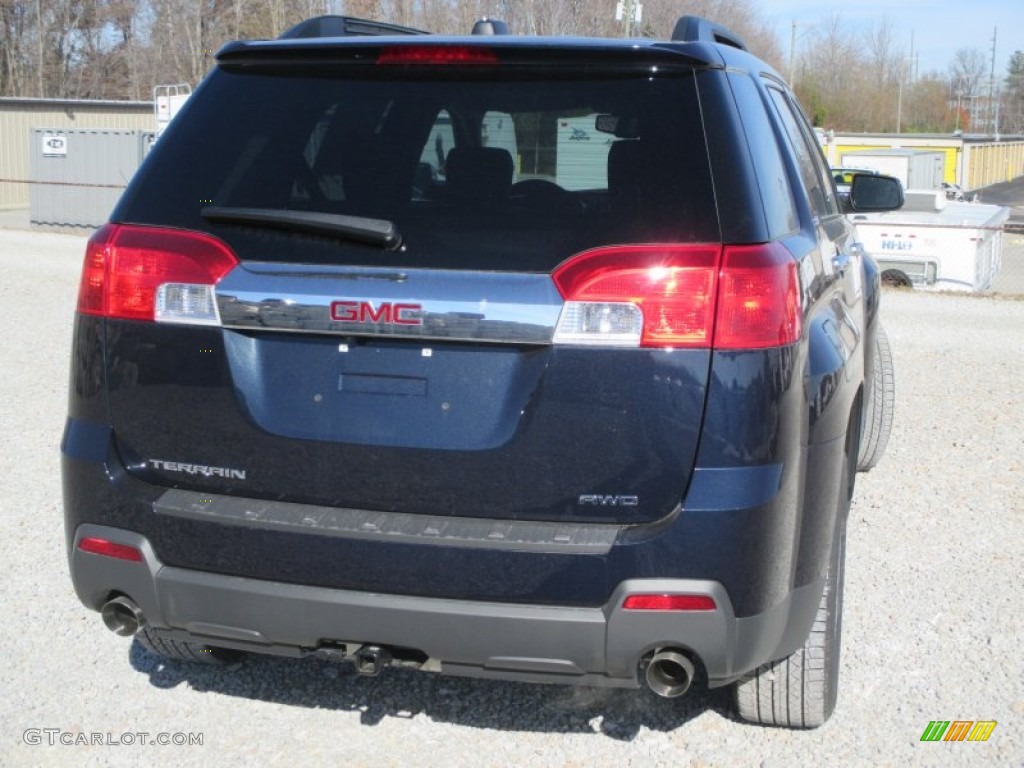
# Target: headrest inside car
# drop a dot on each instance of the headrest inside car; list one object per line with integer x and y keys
{"x": 478, "y": 173}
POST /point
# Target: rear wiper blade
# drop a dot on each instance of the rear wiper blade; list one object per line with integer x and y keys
{"x": 360, "y": 229}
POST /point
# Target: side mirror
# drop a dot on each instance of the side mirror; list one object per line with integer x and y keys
{"x": 869, "y": 192}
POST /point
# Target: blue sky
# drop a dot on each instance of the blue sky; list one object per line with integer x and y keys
{"x": 940, "y": 27}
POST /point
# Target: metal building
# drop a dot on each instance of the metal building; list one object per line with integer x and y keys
{"x": 78, "y": 175}
{"x": 972, "y": 161}
{"x": 19, "y": 116}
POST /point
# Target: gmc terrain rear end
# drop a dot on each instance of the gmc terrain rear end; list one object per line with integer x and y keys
{"x": 519, "y": 358}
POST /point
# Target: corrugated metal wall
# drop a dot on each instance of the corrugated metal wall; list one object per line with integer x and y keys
{"x": 971, "y": 161}
{"x": 79, "y": 175}
{"x": 987, "y": 164}
{"x": 19, "y": 116}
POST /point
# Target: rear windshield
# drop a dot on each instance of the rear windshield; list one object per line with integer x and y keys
{"x": 483, "y": 175}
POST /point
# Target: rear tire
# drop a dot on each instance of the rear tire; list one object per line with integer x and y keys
{"x": 881, "y": 403}
{"x": 893, "y": 278}
{"x": 800, "y": 691}
{"x": 182, "y": 650}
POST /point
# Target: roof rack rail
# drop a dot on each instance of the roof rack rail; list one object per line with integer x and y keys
{"x": 693, "y": 28}
{"x": 486, "y": 26}
{"x": 345, "y": 26}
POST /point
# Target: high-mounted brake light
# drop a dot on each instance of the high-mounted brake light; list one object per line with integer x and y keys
{"x": 99, "y": 546}
{"x": 437, "y": 54}
{"x": 680, "y": 296}
{"x": 669, "y": 603}
{"x": 151, "y": 273}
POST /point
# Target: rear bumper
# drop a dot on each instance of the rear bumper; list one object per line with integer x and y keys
{"x": 601, "y": 646}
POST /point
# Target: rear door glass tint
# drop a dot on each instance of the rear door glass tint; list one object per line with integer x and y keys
{"x": 815, "y": 178}
{"x": 486, "y": 175}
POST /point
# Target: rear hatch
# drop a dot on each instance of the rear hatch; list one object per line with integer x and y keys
{"x": 448, "y": 279}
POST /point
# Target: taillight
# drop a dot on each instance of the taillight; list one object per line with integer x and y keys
{"x": 680, "y": 296}
{"x": 151, "y": 273}
{"x": 639, "y": 295}
{"x": 759, "y": 298}
{"x": 437, "y": 54}
{"x": 99, "y": 546}
{"x": 661, "y": 602}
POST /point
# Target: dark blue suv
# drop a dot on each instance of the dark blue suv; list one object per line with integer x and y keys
{"x": 528, "y": 358}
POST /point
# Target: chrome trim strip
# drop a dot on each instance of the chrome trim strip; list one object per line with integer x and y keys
{"x": 450, "y": 305}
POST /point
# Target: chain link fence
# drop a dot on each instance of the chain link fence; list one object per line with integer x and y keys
{"x": 1011, "y": 276}
{"x": 948, "y": 257}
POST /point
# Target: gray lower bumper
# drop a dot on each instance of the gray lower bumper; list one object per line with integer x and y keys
{"x": 539, "y": 643}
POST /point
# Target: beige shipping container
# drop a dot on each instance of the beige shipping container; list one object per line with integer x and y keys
{"x": 18, "y": 118}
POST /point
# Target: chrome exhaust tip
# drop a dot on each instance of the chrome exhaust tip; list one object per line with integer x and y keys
{"x": 122, "y": 616}
{"x": 669, "y": 674}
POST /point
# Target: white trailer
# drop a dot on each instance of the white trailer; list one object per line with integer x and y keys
{"x": 917, "y": 169}
{"x": 167, "y": 101}
{"x": 936, "y": 245}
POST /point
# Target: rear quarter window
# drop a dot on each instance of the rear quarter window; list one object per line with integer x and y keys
{"x": 812, "y": 171}
{"x": 776, "y": 191}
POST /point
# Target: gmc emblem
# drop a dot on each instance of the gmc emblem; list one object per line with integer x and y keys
{"x": 385, "y": 313}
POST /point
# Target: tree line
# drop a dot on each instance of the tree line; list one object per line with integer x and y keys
{"x": 847, "y": 81}
{"x": 868, "y": 81}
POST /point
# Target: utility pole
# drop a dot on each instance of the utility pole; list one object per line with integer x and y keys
{"x": 899, "y": 100}
{"x": 899, "y": 92}
{"x": 959, "y": 88}
{"x": 912, "y": 73}
{"x": 792, "y": 48}
{"x": 993, "y": 121}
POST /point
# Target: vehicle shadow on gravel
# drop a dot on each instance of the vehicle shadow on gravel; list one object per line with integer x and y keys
{"x": 404, "y": 694}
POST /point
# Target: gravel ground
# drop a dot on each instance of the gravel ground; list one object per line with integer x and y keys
{"x": 932, "y": 626}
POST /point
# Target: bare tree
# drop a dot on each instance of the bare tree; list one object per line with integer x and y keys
{"x": 966, "y": 74}
{"x": 364, "y": 9}
{"x": 741, "y": 16}
{"x": 17, "y": 27}
{"x": 824, "y": 80}
{"x": 1013, "y": 96}
{"x": 881, "y": 93}
{"x": 927, "y": 105}
{"x": 848, "y": 79}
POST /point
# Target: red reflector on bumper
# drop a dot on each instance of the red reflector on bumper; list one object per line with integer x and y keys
{"x": 669, "y": 603}
{"x": 110, "y": 549}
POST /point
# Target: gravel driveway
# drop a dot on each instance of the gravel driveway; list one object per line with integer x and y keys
{"x": 932, "y": 630}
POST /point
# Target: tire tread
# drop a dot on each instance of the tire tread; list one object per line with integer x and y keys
{"x": 879, "y": 411}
